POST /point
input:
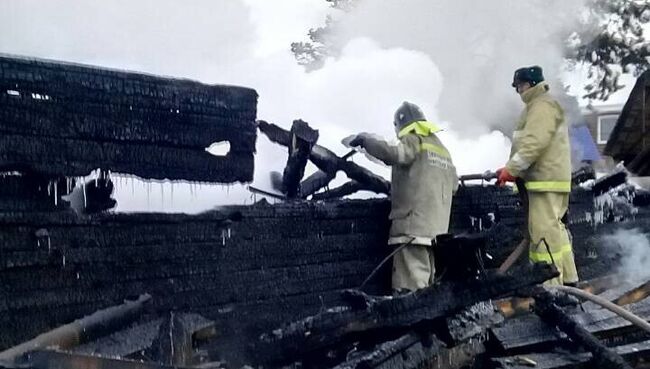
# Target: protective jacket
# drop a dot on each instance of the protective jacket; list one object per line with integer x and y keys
{"x": 540, "y": 151}
{"x": 423, "y": 182}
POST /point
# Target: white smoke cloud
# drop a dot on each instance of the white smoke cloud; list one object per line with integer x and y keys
{"x": 477, "y": 45}
{"x": 635, "y": 253}
{"x": 454, "y": 59}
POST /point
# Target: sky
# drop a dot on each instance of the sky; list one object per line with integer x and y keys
{"x": 391, "y": 51}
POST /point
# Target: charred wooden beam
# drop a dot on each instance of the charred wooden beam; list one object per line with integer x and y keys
{"x": 336, "y": 325}
{"x": 473, "y": 321}
{"x": 319, "y": 179}
{"x": 552, "y": 314}
{"x": 529, "y": 333}
{"x": 315, "y": 182}
{"x": 147, "y": 337}
{"x": 62, "y": 119}
{"x": 633, "y": 353}
{"x": 57, "y": 359}
{"x": 173, "y": 345}
{"x": 637, "y": 294}
{"x": 84, "y": 329}
{"x": 583, "y": 174}
{"x": 329, "y": 162}
{"x": 608, "y": 182}
{"x": 345, "y": 189}
{"x": 415, "y": 350}
{"x": 303, "y": 138}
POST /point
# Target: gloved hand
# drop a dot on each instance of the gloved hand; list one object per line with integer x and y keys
{"x": 357, "y": 141}
{"x": 503, "y": 176}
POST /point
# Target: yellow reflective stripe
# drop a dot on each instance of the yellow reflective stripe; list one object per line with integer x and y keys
{"x": 420, "y": 128}
{"x": 537, "y": 257}
{"x": 559, "y": 186}
{"x": 435, "y": 149}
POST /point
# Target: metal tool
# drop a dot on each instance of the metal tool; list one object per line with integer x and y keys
{"x": 486, "y": 176}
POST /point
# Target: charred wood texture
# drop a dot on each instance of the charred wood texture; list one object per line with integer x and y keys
{"x": 634, "y": 353}
{"x": 329, "y": 162}
{"x": 87, "y": 328}
{"x": 338, "y": 324}
{"x": 552, "y": 314}
{"x": 63, "y": 119}
{"x": 530, "y": 333}
{"x": 248, "y": 268}
{"x": 345, "y": 189}
{"x": 303, "y": 138}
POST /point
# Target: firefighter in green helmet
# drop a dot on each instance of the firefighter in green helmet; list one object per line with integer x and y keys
{"x": 541, "y": 156}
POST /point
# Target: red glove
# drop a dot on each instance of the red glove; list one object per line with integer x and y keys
{"x": 503, "y": 176}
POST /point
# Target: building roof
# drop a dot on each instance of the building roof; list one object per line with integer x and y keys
{"x": 630, "y": 139}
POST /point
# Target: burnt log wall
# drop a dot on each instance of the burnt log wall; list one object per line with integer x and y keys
{"x": 248, "y": 268}
{"x": 62, "y": 120}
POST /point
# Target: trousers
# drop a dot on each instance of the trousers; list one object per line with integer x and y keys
{"x": 549, "y": 237}
{"x": 413, "y": 267}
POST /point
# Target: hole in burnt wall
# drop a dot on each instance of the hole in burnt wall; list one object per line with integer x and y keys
{"x": 221, "y": 148}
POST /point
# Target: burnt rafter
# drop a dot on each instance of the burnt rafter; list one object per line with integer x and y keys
{"x": 62, "y": 119}
{"x": 328, "y": 162}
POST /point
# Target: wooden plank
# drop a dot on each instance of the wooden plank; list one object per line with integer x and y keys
{"x": 529, "y": 332}
{"x": 65, "y": 360}
{"x": 557, "y": 360}
{"x": 602, "y": 356}
{"x": 336, "y": 325}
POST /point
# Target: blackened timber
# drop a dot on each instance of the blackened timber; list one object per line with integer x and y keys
{"x": 552, "y": 314}
{"x": 580, "y": 360}
{"x": 57, "y": 359}
{"x": 87, "y": 328}
{"x": 303, "y": 138}
{"x": 336, "y": 325}
{"x": 530, "y": 333}
{"x": 329, "y": 162}
{"x": 315, "y": 182}
{"x": 345, "y": 189}
{"x": 149, "y": 126}
{"x": 173, "y": 345}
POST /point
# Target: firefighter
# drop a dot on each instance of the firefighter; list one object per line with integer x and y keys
{"x": 423, "y": 182}
{"x": 541, "y": 156}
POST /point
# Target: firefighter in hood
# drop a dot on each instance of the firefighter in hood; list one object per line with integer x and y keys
{"x": 541, "y": 156}
{"x": 423, "y": 181}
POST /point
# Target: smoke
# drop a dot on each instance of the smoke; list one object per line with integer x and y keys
{"x": 476, "y": 45}
{"x": 635, "y": 253}
{"x": 454, "y": 59}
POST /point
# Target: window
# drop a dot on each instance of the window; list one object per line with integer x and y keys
{"x": 606, "y": 125}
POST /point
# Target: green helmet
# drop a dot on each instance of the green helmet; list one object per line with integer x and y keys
{"x": 532, "y": 75}
{"x": 407, "y": 113}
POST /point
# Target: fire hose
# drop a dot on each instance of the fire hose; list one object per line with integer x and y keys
{"x": 618, "y": 310}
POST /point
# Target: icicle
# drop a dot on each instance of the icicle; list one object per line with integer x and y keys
{"x": 63, "y": 261}
{"x": 162, "y": 194}
{"x": 228, "y": 233}
{"x": 77, "y": 275}
{"x": 223, "y": 238}
{"x": 83, "y": 189}
{"x": 56, "y": 193}
{"x": 171, "y": 195}
{"x": 49, "y": 188}
{"x": 49, "y": 244}
{"x": 147, "y": 189}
